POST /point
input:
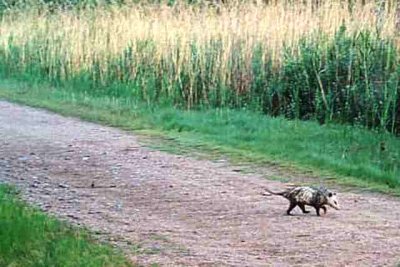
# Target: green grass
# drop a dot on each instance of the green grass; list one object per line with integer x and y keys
{"x": 349, "y": 154}
{"x": 28, "y": 237}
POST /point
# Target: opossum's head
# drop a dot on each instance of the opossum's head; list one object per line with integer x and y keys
{"x": 332, "y": 200}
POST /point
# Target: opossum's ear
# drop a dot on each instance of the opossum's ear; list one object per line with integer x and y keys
{"x": 330, "y": 194}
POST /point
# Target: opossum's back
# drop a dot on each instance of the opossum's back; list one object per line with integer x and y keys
{"x": 301, "y": 194}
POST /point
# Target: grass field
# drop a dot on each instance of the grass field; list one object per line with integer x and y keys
{"x": 337, "y": 62}
{"x": 30, "y": 238}
{"x": 352, "y": 155}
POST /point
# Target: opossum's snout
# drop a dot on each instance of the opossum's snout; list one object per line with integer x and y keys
{"x": 336, "y": 206}
{"x": 333, "y": 201}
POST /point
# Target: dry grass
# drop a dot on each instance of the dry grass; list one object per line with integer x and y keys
{"x": 82, "y": 36}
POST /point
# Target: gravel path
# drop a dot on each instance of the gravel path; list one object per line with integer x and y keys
{"x": 179, "y": 211}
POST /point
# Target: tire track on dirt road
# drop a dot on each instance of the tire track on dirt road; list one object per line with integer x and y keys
{"x": 182, "y": 211}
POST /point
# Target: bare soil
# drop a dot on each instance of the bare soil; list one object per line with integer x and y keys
{"x": 180, "y": 211}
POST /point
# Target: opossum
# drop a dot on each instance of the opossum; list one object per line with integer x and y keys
{"x": 316, "y": 197}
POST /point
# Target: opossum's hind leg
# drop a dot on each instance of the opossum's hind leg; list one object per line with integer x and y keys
{"x": 291, "y": 207}
{"x": 303, "y": 208}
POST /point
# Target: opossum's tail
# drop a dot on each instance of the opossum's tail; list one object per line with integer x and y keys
{"x": 274, "y": 193}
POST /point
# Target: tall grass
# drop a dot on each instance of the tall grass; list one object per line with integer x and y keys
{"x": 335, "y": 62}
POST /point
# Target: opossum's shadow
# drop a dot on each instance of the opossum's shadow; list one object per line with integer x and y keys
{"x": 298, "y": 213}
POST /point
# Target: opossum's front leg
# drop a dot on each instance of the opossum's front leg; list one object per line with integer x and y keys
{"x": 303, "y": 208}
{"x": 291, "y": 207}
{"x": 324, "y": 208}
{"x": 317, "y": 210}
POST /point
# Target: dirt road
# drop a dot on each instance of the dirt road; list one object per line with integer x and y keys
{"x": 179, "y": 211}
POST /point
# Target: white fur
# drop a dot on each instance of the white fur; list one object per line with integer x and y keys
{"x": 333, "y": 201}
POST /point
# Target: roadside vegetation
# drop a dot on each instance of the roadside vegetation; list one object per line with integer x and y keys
{"x": 30, "y": 238}
{"x": 222, "y": 76}
{"x": 348, "y": 154}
